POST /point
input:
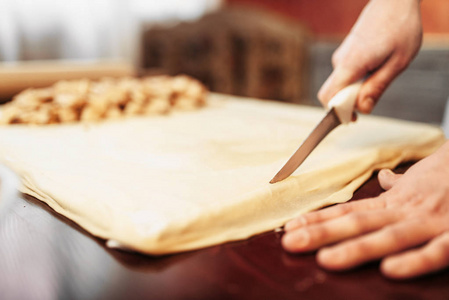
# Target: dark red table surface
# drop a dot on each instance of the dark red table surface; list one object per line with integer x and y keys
{"x": 45, "y": 256}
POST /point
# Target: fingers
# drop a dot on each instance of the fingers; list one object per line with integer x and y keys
{"x": 335, "y": 212}
{"x": 430, "y": 258}
{"x": 314, "y": 236}
{"x": 347, "y": 72}
{"x": 376, "y": 84}
{"x": 387, "y": 178}
{"x": 351, "y": 61}
{"x": 375, "y": 245}
{"x": 340, "y": 78}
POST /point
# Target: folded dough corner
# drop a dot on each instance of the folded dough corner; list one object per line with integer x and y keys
{"x": 166, "y": 184}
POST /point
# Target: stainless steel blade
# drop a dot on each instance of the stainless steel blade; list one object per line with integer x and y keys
{"x": 327, "y": 124}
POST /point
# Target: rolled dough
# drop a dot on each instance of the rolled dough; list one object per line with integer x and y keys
{"x": 172, "y": 183}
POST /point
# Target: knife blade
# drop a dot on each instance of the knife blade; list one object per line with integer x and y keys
{"x": 327, "y": 124}
{"x": 341, "y": 111}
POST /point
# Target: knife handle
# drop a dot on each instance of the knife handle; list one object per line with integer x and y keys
{"x": 344, "y": 101}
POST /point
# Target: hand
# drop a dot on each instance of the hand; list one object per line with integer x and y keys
{"x": 384, "y": 40}
{"x": 407, "y": 226}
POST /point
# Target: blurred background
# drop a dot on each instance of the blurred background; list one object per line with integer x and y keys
{"x": 268, "y": 49}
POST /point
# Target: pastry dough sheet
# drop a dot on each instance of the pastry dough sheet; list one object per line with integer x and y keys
{"x": 188, "y": 180}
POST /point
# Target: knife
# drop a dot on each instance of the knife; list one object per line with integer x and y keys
{"x": 341, "y": 109}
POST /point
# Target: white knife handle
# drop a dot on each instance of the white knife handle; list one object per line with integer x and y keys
{"x": 344, "y": 101}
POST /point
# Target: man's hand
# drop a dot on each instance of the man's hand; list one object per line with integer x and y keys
{"x": 384, "y": 40}
{"x": 407, "y": 226}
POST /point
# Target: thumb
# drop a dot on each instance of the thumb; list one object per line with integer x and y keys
{"x": 387, "y": 178}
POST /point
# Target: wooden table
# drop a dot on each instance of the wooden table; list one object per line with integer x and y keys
{"x": 45, "y": 256}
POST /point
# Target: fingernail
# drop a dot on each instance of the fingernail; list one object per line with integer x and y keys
{"x": 392, "y": 268}
{"x": 296, "y": 223}
{"x": 388, "y": 265}
{"x": 330, "y": 257}
{"x": 297, "y": 240}
{"x": 386, "y": 172}
{"x": 367, "y": 105}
